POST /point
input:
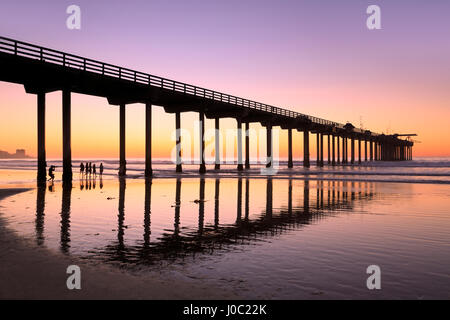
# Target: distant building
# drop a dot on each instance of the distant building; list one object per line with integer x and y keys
{"x": 20, "y": 154}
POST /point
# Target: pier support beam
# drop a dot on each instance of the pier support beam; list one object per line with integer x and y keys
{"x": 240, "y": 165}
{"x": 365, "y": 150}
{"x": 344, "y": 150}
{"x": 290, "y": 163}
{"x": 333, "y": 161}
{"x": 375, "y": 146}
{"x": 321, "y": 149}
{"x": 178, "y": 141}
{"x": 122, "y": 161}
{"x": 371, "y": 150}
{"x": 42, "y": 162}
{"x": 247, "y": 145}
{"x": 329, "y": 149}
{"x": 67, "y": 149}
{"x": 217, "y": 145}
{"x": 359, "y": 150}
{"x": 148, "y": 140}
{"x": 201, "y": 116}
{"x": 306, "y": 163}
{"x": 318, "y": 149}
{"x": 352, "y": 141}
{"x": 338, "y": 157}
{"x": 269, "y": 146}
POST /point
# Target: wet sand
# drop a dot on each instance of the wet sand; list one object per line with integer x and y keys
{"x": 31, "y": 272}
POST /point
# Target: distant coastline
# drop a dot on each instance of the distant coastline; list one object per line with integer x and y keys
{"x": 20, "y": 154}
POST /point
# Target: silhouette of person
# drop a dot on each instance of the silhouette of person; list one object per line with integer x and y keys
{"x": 101, "y": 168}
{"x": 87, "y": 168}
{"x": 90, "y": 167}
{"x": 51, "y": 171}
{"x": 94, "y": 171}
{"x": 81, "y": 168}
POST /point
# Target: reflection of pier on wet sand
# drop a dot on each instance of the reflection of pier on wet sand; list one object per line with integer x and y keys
{"x": 310, "y": 205}
{"x": 31, "y": 272}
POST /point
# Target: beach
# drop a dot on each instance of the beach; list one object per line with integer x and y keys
{"x": 299, "y": 234}
{"x": 31, "y": 272}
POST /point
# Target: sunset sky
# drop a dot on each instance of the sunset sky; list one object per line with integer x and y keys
{"x": 314, "y": 57}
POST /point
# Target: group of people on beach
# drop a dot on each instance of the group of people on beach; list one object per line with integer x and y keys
{"x": 90, "y": 168}
{"x": 87, "y": 169}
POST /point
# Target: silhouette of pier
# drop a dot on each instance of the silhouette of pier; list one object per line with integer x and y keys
{"x": 43, "y": 70}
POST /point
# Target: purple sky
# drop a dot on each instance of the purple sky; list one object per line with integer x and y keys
{"x": 316, "y": 57}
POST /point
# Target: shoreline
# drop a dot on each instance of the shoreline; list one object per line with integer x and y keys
{"x": 31, "y": 272}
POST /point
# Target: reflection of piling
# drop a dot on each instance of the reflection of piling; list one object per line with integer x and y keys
{"x": 216, "y": 203}
{"x": 269, "y": 195}
{"x": 321, "y": 194}
{"x": 40, "y": 214}
{"x": 239, "y": 200}
{"x": 201, "y": 206}
{"x": 247, "y": 196}
{"x": 147, "y": 211}
{"x": 176, "y": 224}
{"x": 290, "y": 197}
{"x": 121, "y": 215}
{"x": 306, "y": 197}
{"x": 65, "y": 218}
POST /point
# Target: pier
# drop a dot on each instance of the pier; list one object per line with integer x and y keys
{"x": 42, "y": 70}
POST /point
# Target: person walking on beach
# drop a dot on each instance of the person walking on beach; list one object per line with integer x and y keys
{"x": 94, "y": 171}
{"x": 81, "y": 168}
{"x": 87, "y": 168}
{"x": 51, "y": 171}
{"x": 101, "y": 168}
{"x": 90, "y": 168}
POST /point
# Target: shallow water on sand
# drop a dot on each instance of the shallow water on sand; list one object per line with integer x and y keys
{"x": 262, "y": 237}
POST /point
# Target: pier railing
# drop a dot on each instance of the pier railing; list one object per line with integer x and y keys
{"x": 68, "y": 60}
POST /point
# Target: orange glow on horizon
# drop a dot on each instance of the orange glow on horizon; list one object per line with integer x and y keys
{"x": 95, "y": 124}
